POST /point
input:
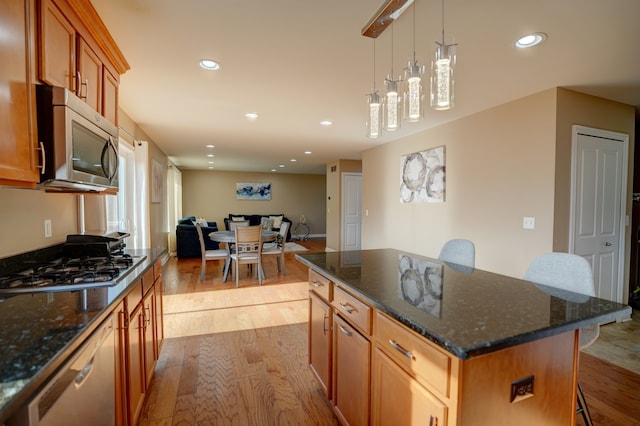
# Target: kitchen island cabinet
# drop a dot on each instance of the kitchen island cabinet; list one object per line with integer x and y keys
{"x": 451, "y": 345}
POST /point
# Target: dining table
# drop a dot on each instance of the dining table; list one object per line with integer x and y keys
{"x": 229, "y": 237}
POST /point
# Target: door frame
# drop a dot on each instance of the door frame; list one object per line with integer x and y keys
{"x": 623, "y": 219}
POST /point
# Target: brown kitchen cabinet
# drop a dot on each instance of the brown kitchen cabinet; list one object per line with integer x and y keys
{"x": 351, "y": 367}
{"x": 158, "y": 308}
{"x": 134, "y": 353}
{"x": 77, "y": 52}
{"x": 320, "y": 325}
{"x": 18, "y": 139}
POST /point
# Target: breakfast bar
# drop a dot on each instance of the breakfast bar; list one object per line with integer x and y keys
{"x": 441, "y": 341}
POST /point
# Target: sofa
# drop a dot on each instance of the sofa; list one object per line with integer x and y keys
{"x": 187, "y": 243}
{"x": 256, "y": 219}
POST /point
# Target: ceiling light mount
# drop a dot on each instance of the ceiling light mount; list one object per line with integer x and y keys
{"x": 210, "y": 65}
{"x": 388, "y": 12}
{"x": 530, "y": 40}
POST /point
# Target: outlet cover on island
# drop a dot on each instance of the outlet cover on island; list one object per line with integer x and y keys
{"x": 47, "y": 228}
{"x": 528, "y": 223}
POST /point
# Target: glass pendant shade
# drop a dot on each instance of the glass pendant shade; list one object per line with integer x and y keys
{"x": 374, "y": 119}
{"x": 413, "y": 94}
{"x": 392, "y": 111}
{"x": 442, "y": 77}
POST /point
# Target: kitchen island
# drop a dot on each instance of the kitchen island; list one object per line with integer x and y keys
{"x": 40, "y": 331}
{"x": 443, "y": 342}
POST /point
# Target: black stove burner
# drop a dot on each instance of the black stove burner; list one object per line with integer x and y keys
{"x": 67, "y": 272}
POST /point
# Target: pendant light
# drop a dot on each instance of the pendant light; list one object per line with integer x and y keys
{"x": 442, "y": 72}
{"x": 374, "y": 108}
{"x": 392, "y": 114}
{"x": 413, "y": 93}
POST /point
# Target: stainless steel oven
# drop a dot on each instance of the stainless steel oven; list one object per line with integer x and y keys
{"x": 80, "y": 146}
{"x": 83, "y": 391}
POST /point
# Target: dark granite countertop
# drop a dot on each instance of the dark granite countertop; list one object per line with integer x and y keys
{"x": 466, "y": 311}
{"x": 39, "y": 331}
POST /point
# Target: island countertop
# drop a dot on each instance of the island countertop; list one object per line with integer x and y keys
{"x": 468, "y": 312}
{"x": 41, "y": 330}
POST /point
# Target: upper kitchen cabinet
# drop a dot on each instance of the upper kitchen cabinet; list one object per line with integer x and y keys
{"x": 77, "y": 52}
{"x": 18, "y": 141}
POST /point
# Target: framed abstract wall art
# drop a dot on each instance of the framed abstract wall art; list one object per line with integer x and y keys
{"x": 422, "y": 176}
{"x": 253, "y": 191}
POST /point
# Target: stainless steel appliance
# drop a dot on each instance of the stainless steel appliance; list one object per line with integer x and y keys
{"x": 80, "y": 147}
{"x": 82, "y": 392}
{"x": 84, "y": 261}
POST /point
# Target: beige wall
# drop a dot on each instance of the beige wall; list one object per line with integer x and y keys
{"x": 334, "y": 197}
{"x": 501, "y": 166}
{"x": 211, "y": 194}
{"x": 22, "y": 215}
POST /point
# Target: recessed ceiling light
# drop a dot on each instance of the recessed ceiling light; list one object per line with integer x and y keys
{"x": 251, "y": 115}
{"x": 210, "y": 155}
{"x": 293, "y": 160}
{"x": 326, "y": 123}
{"x": 211, "y": 167}
{"x": 273, "y": 170}
{"x": 307, "y": 152}
{"x": 530, "y": 40}
{"x": 281, "y": 165}
{"x": 210, "y": 146}
{"x": 211, "y": 162}
{"x": 210, "y": 65}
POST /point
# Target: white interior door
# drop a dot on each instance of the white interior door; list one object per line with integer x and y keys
{"x": 351, "y": 211}
{"x": 599, "y": 165}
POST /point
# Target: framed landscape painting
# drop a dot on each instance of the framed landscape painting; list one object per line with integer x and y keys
{"x": 253, "y": 191}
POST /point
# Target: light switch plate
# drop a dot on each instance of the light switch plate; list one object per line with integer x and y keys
{"x": 528, "y": 222}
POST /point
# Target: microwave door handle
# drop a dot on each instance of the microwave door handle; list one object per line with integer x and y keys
{"x": 115, "y": 152}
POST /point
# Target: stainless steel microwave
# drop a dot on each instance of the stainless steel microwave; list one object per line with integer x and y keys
{"x": 80, "y": 146}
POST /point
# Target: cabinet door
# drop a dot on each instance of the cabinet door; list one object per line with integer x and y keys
{"x": 149, "y": 339}
{"x": 320, "y": 342}
{"x": 120, "y": 355}
{"x": 159, "y": 311}
{"x": 57, "y": 47}
{"x": 397, "y": 398}
{"x": 90, "y": 75}
{"x": 18, "y": 152}
{"x": 351, "y": 366}
{"x": 109, "y": 96}
{"x": 135, "y": 364}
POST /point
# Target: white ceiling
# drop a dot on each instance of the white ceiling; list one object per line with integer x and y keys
{"x": 297, "y": 62}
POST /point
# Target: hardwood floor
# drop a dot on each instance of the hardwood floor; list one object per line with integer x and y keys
{"x": 239, "y": 356}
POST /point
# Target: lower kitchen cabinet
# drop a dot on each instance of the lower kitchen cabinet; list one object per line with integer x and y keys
{"x": 351, "y": 366}
{"x": 320, "y": 319}
{"x": 397, "y": 398}
{"x": 120, "y": 365}
{"x": 148, "y": 331}
{"x": 136, "y": 384}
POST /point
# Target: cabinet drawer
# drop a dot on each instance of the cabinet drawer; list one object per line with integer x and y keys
{"x": 134, "y": 297}
{"x": 320, "y": 284}
{"x": 425, "y": 362}
{"x": 353, "y": 309}
{"x": 157, "y": 269}
{"x": 147, "y": 281}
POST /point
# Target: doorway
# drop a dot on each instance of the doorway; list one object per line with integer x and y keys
{"x": 351, "y": 211}
{"x": 598, "y": 206}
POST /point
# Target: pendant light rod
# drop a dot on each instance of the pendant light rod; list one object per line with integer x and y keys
{"x": 388, "y": 12}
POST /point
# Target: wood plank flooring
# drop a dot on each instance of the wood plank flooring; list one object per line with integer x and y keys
{"x": 239, "y": 356}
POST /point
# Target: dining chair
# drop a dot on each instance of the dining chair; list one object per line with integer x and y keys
{"x": 278, "y": 249}
{"x": 459, "y": 251}
{"x": 219, "y": 254}
{"x": 573, "y": 273}
{"x": 248, "y": 251}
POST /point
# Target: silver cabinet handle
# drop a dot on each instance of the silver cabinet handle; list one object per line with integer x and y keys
{"x": 324, "y": 324}
{"x": 344, "y": 330}
{"x": 43, "y": 158}
{"x": 317, "y": 284}
{"x": 401, "y": 349}
{"x": 347, "y": 308}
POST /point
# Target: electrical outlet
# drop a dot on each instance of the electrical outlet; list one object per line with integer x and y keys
{"x": 47, "y": 228}
{"x": 528, "y": 223}
{"x": 522, "y": 389}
